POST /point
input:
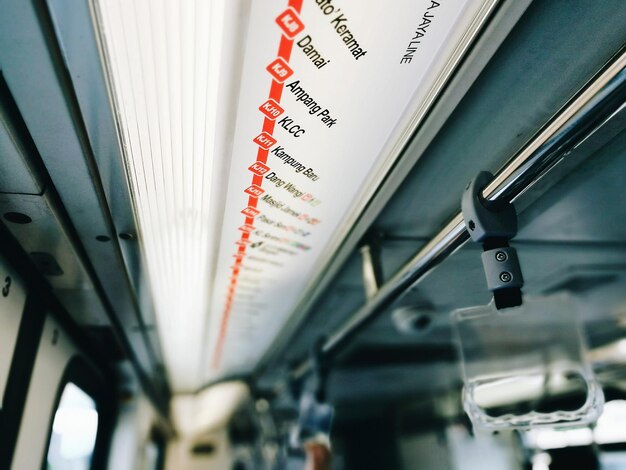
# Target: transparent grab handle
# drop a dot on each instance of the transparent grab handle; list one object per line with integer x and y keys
{"x": 526, "y": 366}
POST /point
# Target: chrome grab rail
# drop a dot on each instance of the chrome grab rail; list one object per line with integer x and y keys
{"x": 542, "y": 153}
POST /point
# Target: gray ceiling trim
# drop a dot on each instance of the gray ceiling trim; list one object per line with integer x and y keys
{"x": 36, "y": 73}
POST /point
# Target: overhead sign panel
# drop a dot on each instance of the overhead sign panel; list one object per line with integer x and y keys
{"x": 328, "y": 86}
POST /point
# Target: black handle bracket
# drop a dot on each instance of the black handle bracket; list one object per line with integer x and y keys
{"x": 493, "y": 224}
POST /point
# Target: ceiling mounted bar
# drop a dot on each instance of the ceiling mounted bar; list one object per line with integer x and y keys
{"x": 596, "y": 101}
{"x": 371, "y": 266}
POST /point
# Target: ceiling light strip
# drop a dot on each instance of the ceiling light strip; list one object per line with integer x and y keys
{"x": 158, "y": 55}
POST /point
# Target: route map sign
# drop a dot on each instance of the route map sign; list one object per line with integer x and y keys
{"x": 327, "y": 87}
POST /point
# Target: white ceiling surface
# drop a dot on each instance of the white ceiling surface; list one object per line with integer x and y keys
{"x": 175, "y": 74}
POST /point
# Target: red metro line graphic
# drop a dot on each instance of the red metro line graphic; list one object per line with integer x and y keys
{"x": 290, "y": 25}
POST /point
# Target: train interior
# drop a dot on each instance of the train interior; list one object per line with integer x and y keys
{"x": 320, "y": 234}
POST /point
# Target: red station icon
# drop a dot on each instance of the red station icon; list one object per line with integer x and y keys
{"x": 259, "y": 168}
{"x": 290, "y": 23}
{"x": 264, "y": 140}
{"x": 254, "y": 190}
{"x": 271, "y": 109}
{"x": 247, "y": 228}
{"x": 250, "y": 211}
{"x": 279, "y": 70}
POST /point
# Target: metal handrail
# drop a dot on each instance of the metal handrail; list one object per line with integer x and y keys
{"x": 541, "y": 154}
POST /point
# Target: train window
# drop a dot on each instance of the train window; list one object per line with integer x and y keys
{"x": 74, "y": 431}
